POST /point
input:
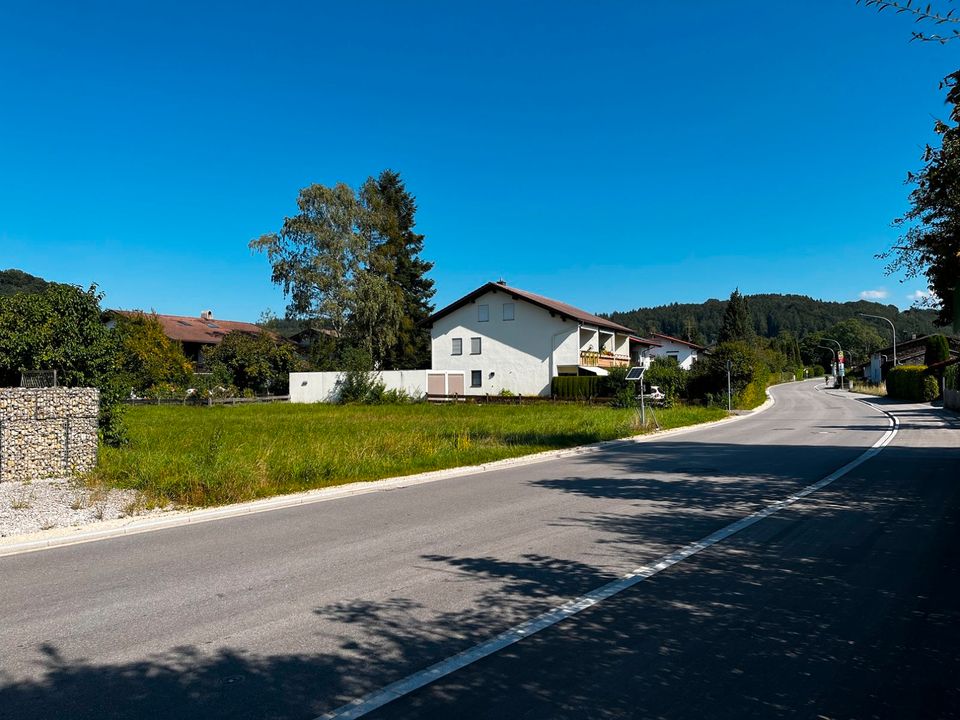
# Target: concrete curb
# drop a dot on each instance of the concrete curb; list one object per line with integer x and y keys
{"x": 60, "y": 537}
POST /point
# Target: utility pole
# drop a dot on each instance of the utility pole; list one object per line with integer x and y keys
{"x": 729, "y": 397}
{"x": 892, "y": 328}
{"x": 833, "y": 354}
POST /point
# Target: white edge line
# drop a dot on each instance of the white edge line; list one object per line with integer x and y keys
{"x": 363, "y": 705}
{"x": 191, "y": 517}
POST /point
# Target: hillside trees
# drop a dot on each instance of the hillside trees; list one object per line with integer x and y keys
{"x": 349, "y": 261}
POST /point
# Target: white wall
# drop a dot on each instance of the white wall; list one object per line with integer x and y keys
{"x": 686, "y": 355}
{"x": 312, "y": 387}
{"x": 518, "y": 355}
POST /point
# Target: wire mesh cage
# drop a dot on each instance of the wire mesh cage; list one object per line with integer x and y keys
{"x": 38, "y": 378}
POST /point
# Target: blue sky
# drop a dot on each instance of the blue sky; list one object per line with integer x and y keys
{"x": 612, "y": 155}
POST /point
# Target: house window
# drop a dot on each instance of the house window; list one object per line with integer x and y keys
{"x": 476, "y": 378}
{"x": 457, "y": 348}
{"x": 475, "y": 346}
{"x": 483, "y": 313}
{"x": 508, "y": 311}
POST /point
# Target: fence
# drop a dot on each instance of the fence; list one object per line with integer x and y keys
{"x": 209, "y": 401}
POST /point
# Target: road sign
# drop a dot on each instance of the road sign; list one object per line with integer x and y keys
{"x": 840, "y": 357}
{"x": 841, "y": 370}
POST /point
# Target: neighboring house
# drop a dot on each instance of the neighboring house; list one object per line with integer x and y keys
{"x": 195, "y": 333}
{"x": 909, "y": 352}
{"x": 686, "y": 353}
{"x": 504, "y": 338}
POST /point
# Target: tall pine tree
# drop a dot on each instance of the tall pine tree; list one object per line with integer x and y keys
{"x": 396, "y": 254}
{"x": 736, "y": 324}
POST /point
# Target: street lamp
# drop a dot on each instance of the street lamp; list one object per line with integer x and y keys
{"x": 834, "y": 352}
{"x": 839, "y": 358}
{"x": 890, "y": 322}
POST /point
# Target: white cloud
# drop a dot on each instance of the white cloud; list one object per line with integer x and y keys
{"x": 919, "y": 295}
{"x": 873, "y": 294}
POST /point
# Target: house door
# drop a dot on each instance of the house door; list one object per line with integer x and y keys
{"x": 455, "y": 384}
{"x": 436, "y": 384}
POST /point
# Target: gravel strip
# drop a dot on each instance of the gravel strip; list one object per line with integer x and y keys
{"x": 29, "y": 507}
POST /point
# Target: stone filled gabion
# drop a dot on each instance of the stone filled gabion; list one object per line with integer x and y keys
{"x": 47, "y": 432}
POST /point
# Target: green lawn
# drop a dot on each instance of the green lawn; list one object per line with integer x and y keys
{"x": 212, "y": 456}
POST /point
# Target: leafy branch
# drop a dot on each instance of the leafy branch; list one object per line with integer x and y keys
{"x": 921, "y": 13}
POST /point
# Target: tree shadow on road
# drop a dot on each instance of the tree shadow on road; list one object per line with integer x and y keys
{"x": 772, "y": 624}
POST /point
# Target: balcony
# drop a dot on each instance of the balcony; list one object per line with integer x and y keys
{"x": 603, "y": 359}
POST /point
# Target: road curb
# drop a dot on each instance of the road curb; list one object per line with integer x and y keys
{"x": 62, "y": 537}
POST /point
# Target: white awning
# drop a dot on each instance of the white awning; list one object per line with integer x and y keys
{"x": 593, "y": 369}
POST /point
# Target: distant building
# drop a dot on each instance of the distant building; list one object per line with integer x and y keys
{"x": 909, "y": 352}
{"x": 195, "y": 333}
{"x": 504, "y": 338}
{"x": 686, "y": 353}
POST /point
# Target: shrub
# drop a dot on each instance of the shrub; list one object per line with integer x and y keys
{"x": 952, "y": 377}
{"x": 937, "y": 350}
{"x": 911, "y": 383}
{"x": 667, "y": 374}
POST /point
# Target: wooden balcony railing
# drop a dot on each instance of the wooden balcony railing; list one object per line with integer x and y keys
{"x": 591, "y": 358}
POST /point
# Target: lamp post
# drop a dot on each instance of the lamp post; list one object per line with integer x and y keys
{"x": 833, "y": 352}
{"x": 892, "y": 328}
{"x": 839, "y": 359}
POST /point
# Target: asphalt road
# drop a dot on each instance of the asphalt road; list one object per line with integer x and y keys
{"x": 843, "y": 605}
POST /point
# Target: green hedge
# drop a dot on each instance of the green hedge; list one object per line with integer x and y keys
{"x": 912, "y": 383}
{"x": 952, "y": 376}
{"x": 575, "y": 387}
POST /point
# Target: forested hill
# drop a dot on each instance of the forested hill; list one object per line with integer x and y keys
{"x": 16, "y": 281}
{"x": 772, "y": 314}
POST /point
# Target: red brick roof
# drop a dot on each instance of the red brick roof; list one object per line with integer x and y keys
{"x": 553, "y": 306}
{"x": 197, "y": 330}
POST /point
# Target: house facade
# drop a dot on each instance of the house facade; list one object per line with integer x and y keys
{"x": 685, "y": 353}
{"x": 503, "y": 338}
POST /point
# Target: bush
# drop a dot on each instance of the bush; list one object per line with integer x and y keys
{"x": 952, "y": 377}
{"x": 667, "y": 375}
{"x": 937, "y": 350}
{"x": 575, "y": 387}
{"x": 912, "y": 383}
{"x": 61, "y": 329}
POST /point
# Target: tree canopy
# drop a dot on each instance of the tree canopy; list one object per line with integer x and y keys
{"x": 349, "y": 260}
{"x": 930, "y": 244}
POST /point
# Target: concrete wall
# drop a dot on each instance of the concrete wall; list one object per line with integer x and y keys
{"x": 47, "y": 432}
{"x": 312, "y": 387}
{"x": 519, "y": 355}
{"x": 951, "y": 399}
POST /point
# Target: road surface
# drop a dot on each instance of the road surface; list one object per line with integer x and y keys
{"x": 844, "y": 604}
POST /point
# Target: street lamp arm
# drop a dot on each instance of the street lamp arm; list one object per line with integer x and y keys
{"x": 893, "y": 329}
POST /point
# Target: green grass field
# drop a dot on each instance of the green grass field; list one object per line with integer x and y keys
{"x": 212, "y": 456}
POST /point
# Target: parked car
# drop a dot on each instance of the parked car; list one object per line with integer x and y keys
{"x": 655, "y": 394}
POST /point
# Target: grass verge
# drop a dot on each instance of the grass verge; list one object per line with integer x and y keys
{"x": 213, "y": 456}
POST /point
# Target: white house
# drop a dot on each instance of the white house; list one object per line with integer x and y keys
{"x": 685, "y": 352}
{"x": 504, "y": 338}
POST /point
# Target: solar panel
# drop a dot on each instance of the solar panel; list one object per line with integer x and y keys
{"x": 634, "y": 373}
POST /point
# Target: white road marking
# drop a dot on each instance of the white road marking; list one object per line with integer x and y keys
{"x": 377, "y": 699}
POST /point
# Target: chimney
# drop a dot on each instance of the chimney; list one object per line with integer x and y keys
{"x": 206, "y": 315}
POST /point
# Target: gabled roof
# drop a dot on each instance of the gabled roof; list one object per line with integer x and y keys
{"x": 196, "y": 330}
{"x": 678, "y": 340}
{"x": 554, "y": 307}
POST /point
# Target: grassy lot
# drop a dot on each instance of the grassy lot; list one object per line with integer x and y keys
{"x": 212, "y": 456}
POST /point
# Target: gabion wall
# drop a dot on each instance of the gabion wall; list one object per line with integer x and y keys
{"x": 47, "y": 432}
